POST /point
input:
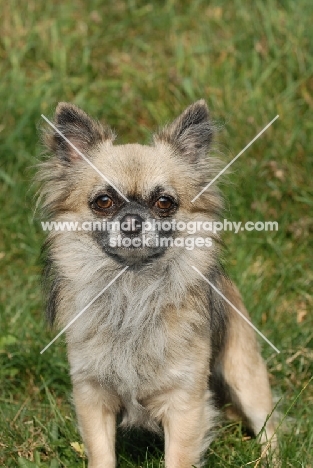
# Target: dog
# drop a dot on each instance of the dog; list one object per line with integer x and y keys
{"x": 156, "y": 345}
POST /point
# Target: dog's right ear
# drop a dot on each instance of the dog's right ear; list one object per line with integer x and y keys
{"x": 191, "y": 133}
{"x": 78, "y": 128}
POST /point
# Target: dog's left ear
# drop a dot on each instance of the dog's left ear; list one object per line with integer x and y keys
{"x": 191, "y": 133}
{"x": 78, "y": 128}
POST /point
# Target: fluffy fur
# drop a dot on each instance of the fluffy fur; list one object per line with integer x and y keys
{"x": 159, "y": 346}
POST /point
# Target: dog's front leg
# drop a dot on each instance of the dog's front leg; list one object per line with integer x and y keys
{"x": 186, "y": 424}
{"x": 97, "y": 423}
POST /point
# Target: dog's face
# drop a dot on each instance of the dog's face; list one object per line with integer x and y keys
{"x": 130, "y": 201}
{"x": 131, "y": 235}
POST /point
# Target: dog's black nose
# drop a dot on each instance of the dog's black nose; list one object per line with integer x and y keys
{"x": 131, "y": 224}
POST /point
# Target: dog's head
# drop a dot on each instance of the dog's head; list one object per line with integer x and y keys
{"x": 129, "y": 198}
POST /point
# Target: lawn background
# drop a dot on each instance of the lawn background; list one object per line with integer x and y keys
{"x": 137, "y": 65}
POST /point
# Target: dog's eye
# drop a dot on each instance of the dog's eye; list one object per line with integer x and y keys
{"x": 103, "y": 202}
{"x": 164, "y": 203}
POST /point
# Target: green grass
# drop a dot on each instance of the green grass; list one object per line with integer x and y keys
{"x": 137, "y": 65}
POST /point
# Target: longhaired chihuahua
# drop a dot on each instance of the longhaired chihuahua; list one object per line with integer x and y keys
{"x": 160, "y": 347}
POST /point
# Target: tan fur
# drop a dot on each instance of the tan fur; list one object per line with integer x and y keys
{"x": 156, "y": 345}
{"x": 245, "y": 372}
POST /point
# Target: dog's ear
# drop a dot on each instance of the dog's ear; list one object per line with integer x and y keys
{"x": 78, "y": 128}
{"x": 191, "y": 133}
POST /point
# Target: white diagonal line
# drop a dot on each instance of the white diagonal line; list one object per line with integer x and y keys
{"x": 233, "y": 160}
{"x": 84, "y": 310}
{"x": 237, "y": 310}
{"x": 83, "y": 156}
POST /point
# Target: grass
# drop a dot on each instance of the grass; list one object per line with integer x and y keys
{"x": 138, "y": 64}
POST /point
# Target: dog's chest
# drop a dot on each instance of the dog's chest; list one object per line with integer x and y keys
{"x": 134, "y": 362}
{"x": 130, "y": 362}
